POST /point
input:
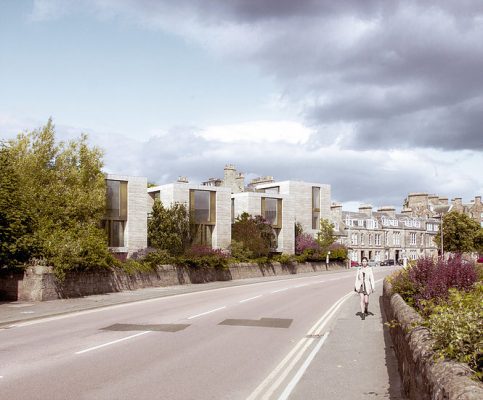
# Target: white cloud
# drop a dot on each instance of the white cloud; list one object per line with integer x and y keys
{"x": 259, "y": 132}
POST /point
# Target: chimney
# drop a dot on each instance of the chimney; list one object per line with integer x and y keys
{"x": 182, "y": 179}
{"x": 477, "y": 199}
{"x": 390, "y": 210}
{"x": 365, "y": 209}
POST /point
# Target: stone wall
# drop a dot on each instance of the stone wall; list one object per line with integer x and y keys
{"x": 39, "y": 283}
{"x": 423, "y": 377}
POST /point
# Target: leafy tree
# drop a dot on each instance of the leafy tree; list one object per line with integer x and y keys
{"x": 459, "y": 233}
{"x": 478, "y": 241}
{"x": 255, "y": 233}
{"x": 15, "y": 222}
{"x": 63, "y": 195}
{"x": 338, "y": 252}
{"x": 325, "y": 236}
{"x": 169, "y": 228}
{"x": 306, "y": 243}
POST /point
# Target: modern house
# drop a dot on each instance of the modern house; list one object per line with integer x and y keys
{"x": 209, "y": 205}
{"x": 126, "y": 214}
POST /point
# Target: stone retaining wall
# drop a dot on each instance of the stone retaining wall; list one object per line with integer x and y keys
{"x": 39, "y": 283}
{"x": 422, "y": 376}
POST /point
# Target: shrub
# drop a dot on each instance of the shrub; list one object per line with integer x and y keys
{"x": 157, "y": 258}
{"x": 284, "y": 259}
{"x": 305, "y": 242}
{"x": 256, "y": 234}
{"x": 430, "y": 280}
{"x": 198, "y": 257}
{"x": 239, "y": 252}
{"x": 457, "y": 327}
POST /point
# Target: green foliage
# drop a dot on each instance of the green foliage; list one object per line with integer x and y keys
{"x": 478, "y": 241}
{"x": 239, "y": 252}
{"x": 169, "y": 228}
{"x": 15, "y": 221}
{"x": 255, "y": 233}
{"x": 457, "y": 327}
{"x": 325, "y": 236}
{"x": 157, "y": 258}
{"x": 338, "y": 252}
{"x": 285, "y": 259}
{"x": 402, "y": 284}
{"x": 459, "y": 233}
{"x": 62, "y": 197}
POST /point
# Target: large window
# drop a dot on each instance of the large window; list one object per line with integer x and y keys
{"x": 315, "y": 207}
{"x": 203, "y": 210}
{"x": 272, "y": 211}
{"x": 202, "y": 205}
{"x": 116, "y": 212}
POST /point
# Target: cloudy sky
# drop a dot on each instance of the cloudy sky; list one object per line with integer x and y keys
{"x": 377, "y": 98}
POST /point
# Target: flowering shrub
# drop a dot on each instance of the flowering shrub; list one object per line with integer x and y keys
{"x": 306, "y": 243}
{"x": 199, "y": 256}
{"x": 431, "y": 280}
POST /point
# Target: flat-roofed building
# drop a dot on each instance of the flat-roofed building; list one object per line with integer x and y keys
{"x": 209, "y": 205}
{"x": 126, "y": 214}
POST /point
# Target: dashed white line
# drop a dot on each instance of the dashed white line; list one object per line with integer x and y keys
{"x": 113, "y": 342}
{"x": 250, "y": 298}
{"x": 280, "y": 290}
{"x": 207, "y": 312}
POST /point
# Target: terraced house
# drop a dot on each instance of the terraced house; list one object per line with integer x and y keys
{"x": 384, "y": 234}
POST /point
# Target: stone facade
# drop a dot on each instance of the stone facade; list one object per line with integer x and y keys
{"x": 384, "y": 234}
{"x": 135, "y": 229}
{"x": 179, "y": 192}
{"x": 299, "y": 196}
{"x": 251, "y": 202}
{"x": 419, "y": 204}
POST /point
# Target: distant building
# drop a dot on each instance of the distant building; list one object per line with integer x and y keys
{"x": 419, "y": 204}
{"x": 384, "y": 234}
{"x": 126, "y": 214}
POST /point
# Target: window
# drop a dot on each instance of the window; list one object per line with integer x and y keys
{"x": 370, "y": 239}
{"x": 269, "y": 210}
{"x": 202, "y": 205}
{"x": 232, "y": 211}
{"x": 412, "y": 239}
{"x": 354, "y": 239}
{"x": 386, "y": 238}
{"x": 115, "y": 219}
{"x": 362, "y": 239}
{"x": 377, "y": 239}
{"x": 396, "y": 238}
{"x": 315, "y": 207}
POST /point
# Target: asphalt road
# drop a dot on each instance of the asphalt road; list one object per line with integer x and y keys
{"x": 242, "y": 342}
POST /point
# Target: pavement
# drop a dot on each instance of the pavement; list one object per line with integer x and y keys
{"x": 356, "y": 357}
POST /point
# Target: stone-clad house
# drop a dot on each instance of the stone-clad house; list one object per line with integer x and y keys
{"x": 126, "y": 214}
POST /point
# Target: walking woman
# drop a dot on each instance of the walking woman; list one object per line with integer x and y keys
{"x": 364, "y": 285}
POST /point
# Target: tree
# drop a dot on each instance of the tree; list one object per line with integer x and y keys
{"x": 325, "y": 236}
{"x": 15, "y": 222}
{"x": 255, "y": 233}
{"x": 459, "y": 233}
{"x": 478, "y": 241}
{"x": 169, "y": 228}
{"x": 63, "y": 194}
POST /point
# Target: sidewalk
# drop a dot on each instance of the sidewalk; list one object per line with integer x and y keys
{"x": 357, "y": 360}
{"x": 17, "y": 311}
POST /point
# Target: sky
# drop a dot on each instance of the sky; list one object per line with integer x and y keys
{"x": 377, "y": 98}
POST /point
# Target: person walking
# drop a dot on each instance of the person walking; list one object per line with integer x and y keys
{"x": 364, "y": 285}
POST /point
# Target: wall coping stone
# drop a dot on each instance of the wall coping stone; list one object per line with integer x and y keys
{"x": 422, "y": 376}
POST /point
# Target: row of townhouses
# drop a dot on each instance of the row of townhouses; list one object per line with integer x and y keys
{"x": 380, "y": 234}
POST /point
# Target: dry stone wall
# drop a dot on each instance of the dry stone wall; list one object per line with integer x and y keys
{"x": 424, "y": 378}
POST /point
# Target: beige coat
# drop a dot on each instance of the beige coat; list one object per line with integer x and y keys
{"x": 369, "y": 279}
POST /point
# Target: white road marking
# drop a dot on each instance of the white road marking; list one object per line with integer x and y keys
{"x": 280, "y": 290}
{"x": 114, "y": 306}
{"x": 305, "y": 284}
{"x": 251, "y": 298}
{"x": 207, "y": 312}
{"x": 290, "y": 387}
{"x": 276, "y": 377}
{"x": 113, "y": 342}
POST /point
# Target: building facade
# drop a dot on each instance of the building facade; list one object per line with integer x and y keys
{"x": 384, "y": 234}
{"x": 126, "y": 214}
{"x": 209, "y": 205}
